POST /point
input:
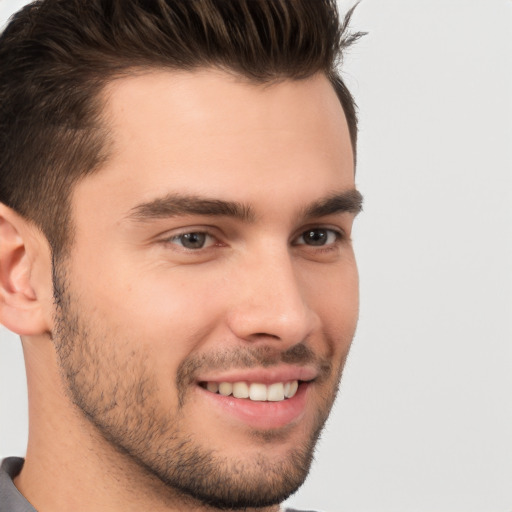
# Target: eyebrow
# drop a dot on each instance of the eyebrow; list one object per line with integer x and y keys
{"x": 349, "y": 201}
{"x": 173, "y": 205}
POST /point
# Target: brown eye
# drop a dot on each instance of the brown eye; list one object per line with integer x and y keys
{"x": 315, "y": 237}
{"x": 318, "y": 237}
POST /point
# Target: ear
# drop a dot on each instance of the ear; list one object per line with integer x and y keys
{"x": 22, "y": 308}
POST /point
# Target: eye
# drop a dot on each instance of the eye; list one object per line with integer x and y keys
{"x": 193, "y": 240}
{"x": 318, "y": 237}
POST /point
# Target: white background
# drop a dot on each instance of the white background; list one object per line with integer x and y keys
{"x": 424, "y": 420}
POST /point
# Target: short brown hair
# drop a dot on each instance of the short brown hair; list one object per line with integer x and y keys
{"x": 56, "y": 56}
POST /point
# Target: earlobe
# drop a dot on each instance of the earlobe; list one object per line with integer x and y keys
{"x": 21, "y": 310}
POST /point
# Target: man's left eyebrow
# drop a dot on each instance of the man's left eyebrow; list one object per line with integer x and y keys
{"x": 349, "y": 201}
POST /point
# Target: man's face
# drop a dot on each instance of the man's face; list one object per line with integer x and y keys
{"x": 212, "y": 257}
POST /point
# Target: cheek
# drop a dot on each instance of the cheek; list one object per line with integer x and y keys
{"x": 334, "y": 296}
{"x": 161, "y": 309}
{"x": 144, "y": 330}
{"x": 333, "y": 289}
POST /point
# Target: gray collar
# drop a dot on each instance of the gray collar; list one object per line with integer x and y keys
{"x": 11, "y": 500}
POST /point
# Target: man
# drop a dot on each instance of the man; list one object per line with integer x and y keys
{"x": 177, "y": 197}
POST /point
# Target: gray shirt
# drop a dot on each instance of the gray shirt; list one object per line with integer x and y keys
{"x": 11, "y": 500}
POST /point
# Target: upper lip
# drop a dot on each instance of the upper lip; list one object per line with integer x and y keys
{"x": 282, "y": 373}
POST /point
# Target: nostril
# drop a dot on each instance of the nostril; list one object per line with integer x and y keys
{"x": 265, "y": 335}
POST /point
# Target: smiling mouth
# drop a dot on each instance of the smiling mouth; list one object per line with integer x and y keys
{"x": 255, "y": 391}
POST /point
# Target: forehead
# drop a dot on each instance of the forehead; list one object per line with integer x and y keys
{"x": 211, "y": 95}
{"x": 211, "y": 133}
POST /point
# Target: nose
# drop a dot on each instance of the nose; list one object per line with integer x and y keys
{"x": 271, "y": 303}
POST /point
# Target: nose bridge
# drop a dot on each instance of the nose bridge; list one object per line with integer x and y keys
{"x": 271, "y": 302}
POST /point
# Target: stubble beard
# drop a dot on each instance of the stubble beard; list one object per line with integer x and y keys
{"x": 118, "y": 394}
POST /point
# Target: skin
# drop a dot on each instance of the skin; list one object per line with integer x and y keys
{"x": 113, "y": 368}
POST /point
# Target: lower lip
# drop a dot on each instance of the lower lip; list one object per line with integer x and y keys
{"x": 262, "y": 415}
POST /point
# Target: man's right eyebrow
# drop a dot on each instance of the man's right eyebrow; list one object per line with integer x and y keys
{"x": 173, "y": 205}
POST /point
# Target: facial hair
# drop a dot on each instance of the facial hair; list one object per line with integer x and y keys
{"x": 117, "y": 392}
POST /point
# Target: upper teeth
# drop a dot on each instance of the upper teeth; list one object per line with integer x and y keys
{"x": 255, "y": 391}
